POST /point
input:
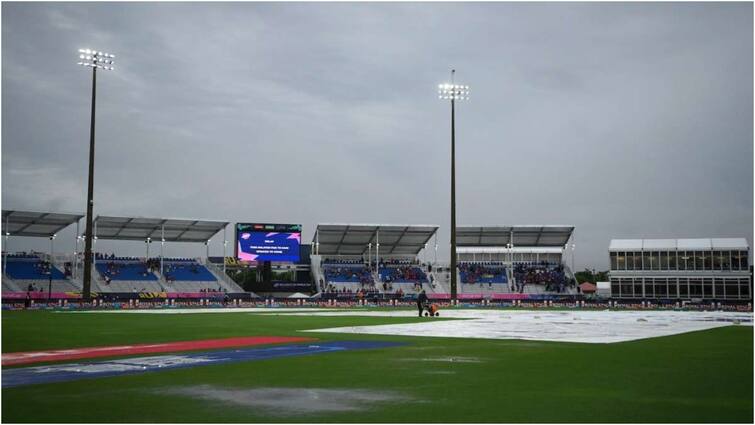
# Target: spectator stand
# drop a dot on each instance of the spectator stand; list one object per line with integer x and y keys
{"x": 489, "y": 272}
{"x": 402, "y": 275}
{"x": 483, "y": 249}
{"x": 36, "y": 267}
{"x": 163, "y": 230}
{"x": 346, "y": 250}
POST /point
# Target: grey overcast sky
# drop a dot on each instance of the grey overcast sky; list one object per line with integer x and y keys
{"x": 625, "y": 120}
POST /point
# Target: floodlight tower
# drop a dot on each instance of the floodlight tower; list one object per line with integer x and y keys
{"x": 453, "y": 92}
{"x": 104, "y": 61}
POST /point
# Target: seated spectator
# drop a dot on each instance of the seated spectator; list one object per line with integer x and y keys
{"x": 482, "y": 272}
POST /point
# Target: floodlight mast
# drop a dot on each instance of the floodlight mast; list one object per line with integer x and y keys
{"x": 104, "y": 61}
{"x": 453, "y": 92}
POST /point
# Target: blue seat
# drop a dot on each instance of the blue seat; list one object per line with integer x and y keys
{"x": 125, "y": 270}
{"x": 30, "y": 268}
{"x": 346, "y": 273}
{"x": 403, "y": 274}
{"x": 490, "y": 273}
{"x": 187, "y": 271}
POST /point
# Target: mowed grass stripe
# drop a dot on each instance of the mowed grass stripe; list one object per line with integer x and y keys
{"x": 695, "y": 377}
{"x": 43, "y": 330}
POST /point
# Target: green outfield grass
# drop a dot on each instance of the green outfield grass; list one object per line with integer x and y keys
{"x": 695, "y": 377}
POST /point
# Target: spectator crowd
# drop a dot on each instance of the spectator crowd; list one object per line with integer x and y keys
{"x": 550, "y": 275}
{"x": 482, "y": 273}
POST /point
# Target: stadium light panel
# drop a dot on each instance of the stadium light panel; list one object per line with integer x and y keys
{"x": 96, "y": 59}
{"x": 453, "y": 91}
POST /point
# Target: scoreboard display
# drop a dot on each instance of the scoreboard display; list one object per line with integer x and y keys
{"x": 268, "y": 242}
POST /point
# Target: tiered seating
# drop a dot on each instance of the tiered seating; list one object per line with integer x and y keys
{"x": 346, "y": 277}
{"x": 124, "y": 268}
{"x": 131, "y": 286}
{"x": 131, "y": 274}
{"x": 61, "y": 285}
{"x": 31, "y": 267}
{"x": 346, "y": 271}
{"x": 484, "y": 289}
{"x": 402, "y": 271}
{"x": 406, "y": 288}
{"x": 345, "y": 274}
{"x": 403, "y": 274}
{"x": 186, "y": 270}
{"x": 188, "y": 275}
{"x": 482, "y": 272}
{"x": 549, "y": 275}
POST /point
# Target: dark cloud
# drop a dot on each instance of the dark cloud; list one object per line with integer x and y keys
{"x": 626, "y": 120}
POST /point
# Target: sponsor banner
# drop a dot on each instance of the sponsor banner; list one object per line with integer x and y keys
{"x": 75, "y": 371}
{"x": 41, "y": 295}
{"x": 510, "y": 296}
{"x": 346, "y": 295}
{"x": 164, "y": 295}
{"x": 196, "y": 294}
{"x": 469, "y": 296}
{"x": 458, "y": 296}
{"x": 554, "y": 297}
{"x": 479, "y": 296}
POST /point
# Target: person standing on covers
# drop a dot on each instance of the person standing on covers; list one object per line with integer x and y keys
{"x": 421, "y": 301}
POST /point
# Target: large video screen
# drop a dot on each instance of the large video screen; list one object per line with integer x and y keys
{"x": 268, "y": 242}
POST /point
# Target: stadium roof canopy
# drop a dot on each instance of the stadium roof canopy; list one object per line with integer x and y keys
{"x": 520, "y": 236}
{"x": 36, "y": 224}
{"x": 354, "y": 239}
{"x": 171, "y": 229}
{"x": 678, "y": 244}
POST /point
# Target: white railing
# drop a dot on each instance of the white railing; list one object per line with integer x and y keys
{"x": 223, "y": 278}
